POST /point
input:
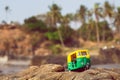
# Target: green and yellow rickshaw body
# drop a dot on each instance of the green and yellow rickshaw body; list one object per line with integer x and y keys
{"x": 78, "y": 59}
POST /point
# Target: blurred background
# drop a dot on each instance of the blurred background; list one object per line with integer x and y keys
{"x": 41, "y": 32}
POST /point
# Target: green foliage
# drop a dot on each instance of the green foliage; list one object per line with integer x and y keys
{"x": 66, "y": 32}
{"x": 52, "y": 29}
{"x": 52, "y": 36}
{"x": 35, "y": 25}
{"x": 88, "y": 31}
{"x": 118, "y": 9}
{"x": 108, "y": 9}
{"x": 105, "y": 31}
{"x": 30, "y": 20}
{"x": 54, "y": 15}
{"x": 56, "y": 49}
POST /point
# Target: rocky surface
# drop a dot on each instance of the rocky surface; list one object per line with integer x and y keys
{"x": 107, "y": 56}
{"x": 56, "y": 72}
{"x": 113, "y": 53}
{"x": 15, "y": 41}
{"x": 54, "y": 59}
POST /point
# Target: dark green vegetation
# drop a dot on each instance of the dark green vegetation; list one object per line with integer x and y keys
{"x": 93, "y": 29}
{"x": 33, "y": 24}
{"x": 105, "y": 33}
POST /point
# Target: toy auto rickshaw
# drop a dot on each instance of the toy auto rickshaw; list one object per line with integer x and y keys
{"x": 79, "y": 59}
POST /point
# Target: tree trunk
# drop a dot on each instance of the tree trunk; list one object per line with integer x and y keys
{"x": 103, "y": 34}
{"x": 61, "y": 39}
{"x": 97, "y": 33}
{"x": 88, "y": 38}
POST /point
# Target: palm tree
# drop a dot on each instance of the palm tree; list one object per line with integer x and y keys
{"x": 81, "y": 14}
{"x": 97, "y": 12}
{"x": 48, "y": 19}
{"x": 108, "y": 9}
{"x": 90, "y": 23}
{"x": 7, "y": 10}
{"x": 54, "y": 14}
{"x": 117, "y": 20}
{"x": 66, "y": 20}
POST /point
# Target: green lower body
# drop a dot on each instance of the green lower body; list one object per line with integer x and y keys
{"x": 79, "y": 63}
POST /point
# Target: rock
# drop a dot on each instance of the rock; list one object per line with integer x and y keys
{"x": 102, "y": 58}
{"x": 40, "y": 51}
{"x": 113, "y": 53}
{"x": 51, "y": 68}
{"x": 56, "y": 72}
{"x": 48, "y": 59}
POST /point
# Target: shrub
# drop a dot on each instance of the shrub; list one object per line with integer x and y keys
{"x": 56, "y": 49}
{"x": 88, "y": 31}
{"x": 66, "y": 32}
{"x": 33, "y": 24}
{"x": 52, "y": 36}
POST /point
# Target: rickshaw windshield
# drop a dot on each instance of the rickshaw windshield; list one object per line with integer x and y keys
{"x": 83, "y": 53}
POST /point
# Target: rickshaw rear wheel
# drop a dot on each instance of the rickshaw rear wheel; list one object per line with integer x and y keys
{"x": 87, "y": 67}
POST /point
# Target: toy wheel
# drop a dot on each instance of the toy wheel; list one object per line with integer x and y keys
{"x": 87, "y": 66}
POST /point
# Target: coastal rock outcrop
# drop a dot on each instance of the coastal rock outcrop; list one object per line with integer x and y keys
{"x": 56, "y": 72}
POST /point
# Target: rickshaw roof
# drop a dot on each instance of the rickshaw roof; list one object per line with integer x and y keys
{"x": 77, "y": 51}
